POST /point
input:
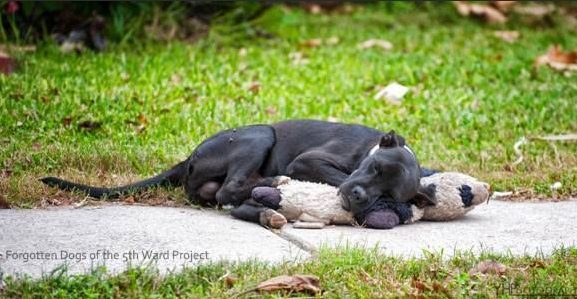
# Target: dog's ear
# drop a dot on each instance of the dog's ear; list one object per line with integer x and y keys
{"x": 390, "y": 139}
{"x": 425, "y": 196}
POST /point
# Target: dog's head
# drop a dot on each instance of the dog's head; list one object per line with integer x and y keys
{"x": 390, "y": 172}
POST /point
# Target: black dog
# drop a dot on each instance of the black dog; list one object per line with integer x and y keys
{"x": 367, "y": 164}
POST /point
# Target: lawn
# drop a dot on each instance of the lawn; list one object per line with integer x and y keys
{"x": 142, "y": 106}
{"x": 343, "y": 273}
{"x": 139, "y": 108}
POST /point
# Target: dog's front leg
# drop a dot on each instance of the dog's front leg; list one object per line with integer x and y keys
{"x": 318, "y": 167}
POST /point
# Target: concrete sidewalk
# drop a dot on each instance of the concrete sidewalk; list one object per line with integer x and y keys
{"x": 114, "y": 235}
{"x": 504, "y": 227}
{"x": 37, "y": 241}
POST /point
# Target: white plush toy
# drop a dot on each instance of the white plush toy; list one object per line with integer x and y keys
{"x": 313, "y": 205}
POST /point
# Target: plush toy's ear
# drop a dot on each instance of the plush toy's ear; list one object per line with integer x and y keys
{"x": 389, "y": 140}
{"x": 425, "y": 197}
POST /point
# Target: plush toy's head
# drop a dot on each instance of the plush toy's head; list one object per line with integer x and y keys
{"x": 456, "y": 194}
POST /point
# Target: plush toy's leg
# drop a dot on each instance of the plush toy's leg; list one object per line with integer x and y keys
{"x": 310, "y": 218}
{"x": 268, "y": 196}
{"x": 382, "y": 219}
{"x": 308, "y": 225}
{"x": 254, "y": 212}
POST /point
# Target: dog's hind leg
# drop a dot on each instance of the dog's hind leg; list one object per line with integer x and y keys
{"x": 242, "y": 173}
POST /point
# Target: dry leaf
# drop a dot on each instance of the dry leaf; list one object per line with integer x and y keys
{"x": 503, "y": 6}
{"x": 90, "y": 125}
{"x": 534, "y": 10}
{"x": 175, "y": 79}
{"x": 229, "y": 280}
{"x": 142, "y": 119}
{"x": 488, "y": 267}
{"x": 298, "y": 58}
{"x": 3, "y": 203}
{"x": 565, "y": 137}
{"x": 19, "y": 49}
{"x": 558, "y": 60}
{"x": 129, "y": 200}
{"x": 556, "y": 186}
{"x": 312, "y": 43}
{"x": 419, "y": 285}
{"x": 537, "y": 264}
{"x": 6, "y": 173}
{"x": 254, "y": 87}
{"x": 295, "y": 283}
{"x": 271, "y": 111}
{"x": 332, "y": 40}
{"x": 393, "y": 93}
{"x": 313, "y": 8}
{"x": 381, "y": 43}
{"x": 508, "y": 36}
{"x": 327, "y": 7}
{"x": 50, "y": 202}
{"x": 486, "y": 13}
{"x": 7, "y": 64}
{"x": 317, "y": 42}
{"x": 67, "y": 121}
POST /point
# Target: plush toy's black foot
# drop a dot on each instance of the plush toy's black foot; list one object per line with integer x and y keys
{"x": 267, "y": 196}
{"x": 382, "y": 219}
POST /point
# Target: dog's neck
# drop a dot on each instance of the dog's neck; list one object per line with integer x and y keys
{"x": 408, "y": 149}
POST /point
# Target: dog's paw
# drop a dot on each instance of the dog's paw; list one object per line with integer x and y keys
{"x": 273, "y": 219}
{"x": 281, "y": 180}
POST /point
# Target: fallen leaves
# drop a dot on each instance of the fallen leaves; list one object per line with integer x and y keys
{"x": 393, "y": 93}
{"x": 3, "y": 203}
{"x": 487, "y": 13}
{"x": 503, "y": 6}
{"x": 327, "y": 7}
{"x": 317, "y": 42}
{"x": 496, "y": 12}
{"x": 271, "y": 111}
{"x": 563, "y": 137}
{"x": 535, "y": 10}
{"x": 254, "y": 87}
{"x": 372, "y": 43}
{"x": 7, "y": 63}
{"x": 558, "y": 60}
{"x": 488, "y": 267}
{"x": 312, "y": 43}
{"x": 509, "y": 36}
{"x": 299, "y": 58}
{"x": 228, "y": 279}
{"x": 90, "y": 125}
{"x": 294, "y": 283}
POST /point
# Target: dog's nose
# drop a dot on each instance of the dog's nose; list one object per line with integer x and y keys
{"x": 359, "y": 193}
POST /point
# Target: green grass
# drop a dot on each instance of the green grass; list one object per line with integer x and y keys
{"x": 474, "y": 96}
{"x": 344, "y": 273}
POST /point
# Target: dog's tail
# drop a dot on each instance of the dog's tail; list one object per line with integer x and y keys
{"x": 171, "y": 177}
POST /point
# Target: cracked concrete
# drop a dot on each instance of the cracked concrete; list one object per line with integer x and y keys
{"x": 37, "y": 241}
